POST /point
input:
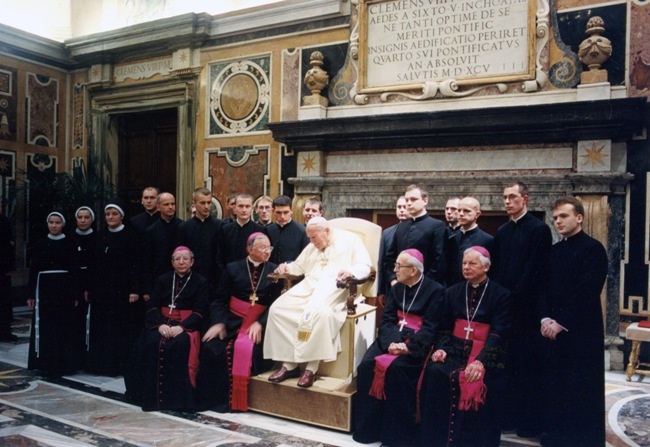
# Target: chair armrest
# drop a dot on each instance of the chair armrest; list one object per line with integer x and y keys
{"x": 351, "y": 284}
{"x": 287, "y": 278}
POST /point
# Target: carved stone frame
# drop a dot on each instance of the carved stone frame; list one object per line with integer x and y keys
{"x": 535, "y": 78}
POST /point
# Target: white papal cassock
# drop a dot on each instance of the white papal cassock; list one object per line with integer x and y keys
{"x": 315, "y": 306}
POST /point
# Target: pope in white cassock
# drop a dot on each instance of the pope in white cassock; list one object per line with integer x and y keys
{"x": 304, "y": 323}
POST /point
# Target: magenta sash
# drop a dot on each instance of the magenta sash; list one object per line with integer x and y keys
{"x": 383, "y": 361}
{"x": 195, "y": 341}
{"x": 472, "y": 395}
{"x": 243, "y": 352}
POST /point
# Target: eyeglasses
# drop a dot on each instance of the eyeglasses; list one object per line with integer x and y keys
{"x": 265, "y": 249}
{"x": 399, "y": 266}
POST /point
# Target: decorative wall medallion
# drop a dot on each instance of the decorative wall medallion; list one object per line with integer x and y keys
{"x": 239, "y": 96}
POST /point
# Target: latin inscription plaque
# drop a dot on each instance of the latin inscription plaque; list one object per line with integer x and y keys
{"x": 406, "y": 43}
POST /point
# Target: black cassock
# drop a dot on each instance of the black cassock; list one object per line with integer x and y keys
{"x": 456, "y": 246}
{"x": 392, "y": 421}
{"x": 215, "y": 375}
{"x": 232, "y": 241}
{"x": 442, "y": 423}
{"x": 519, "y": 263}
{"x": 163, "y": 363}
{"x": 53, "y": 344}
{"x": 200, "y": 236}
{"x": 113, "y": 323}
{"x": 288, "y": 241}
{"x": 575, "y": 404}
{"x": 428, "y": 235}
{"x": 84, "y": 249}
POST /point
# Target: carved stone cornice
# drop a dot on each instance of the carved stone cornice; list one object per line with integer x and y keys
{"x": 143, "y": 41}
{"x": 615, "y": 119}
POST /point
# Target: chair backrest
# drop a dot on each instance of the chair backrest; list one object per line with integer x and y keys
{"x": 370, "y": 235}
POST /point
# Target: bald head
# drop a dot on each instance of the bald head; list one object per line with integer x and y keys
{"x": 469, "y": 209}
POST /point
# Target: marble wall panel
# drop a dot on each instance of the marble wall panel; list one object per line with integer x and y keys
{"x": 486, "y": 160}
{"x": 290, "y": 85}
{"x": 639, "y": 49}
{"x": 8, "y": 103}
{"x": 42, "y": 103}
{"x": 238, "y": 169}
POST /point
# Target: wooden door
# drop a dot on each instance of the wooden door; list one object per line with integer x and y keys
{"x": 148, "y": 147}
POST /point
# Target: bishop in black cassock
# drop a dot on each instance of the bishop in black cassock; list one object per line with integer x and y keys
{"x": 171, "y": 339}
{"x": 241, "y": 306}
{"x": 464, "y": 383}
{"x": 385, "y": 401}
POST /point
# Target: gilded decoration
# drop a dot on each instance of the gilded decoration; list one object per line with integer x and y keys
{"x": 239, "y": 96}
{"x": 448, "y": 49}
{"x": 42, "y": 110}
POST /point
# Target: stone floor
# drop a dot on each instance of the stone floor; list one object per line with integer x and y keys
{"x": 87, "y": 410}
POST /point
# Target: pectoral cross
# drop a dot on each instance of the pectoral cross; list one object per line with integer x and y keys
{"x": 468, "y": 330}
{"x": 253, "y": 298}
{"x": 172, "y": 306}
{"x": 402, "y": 323}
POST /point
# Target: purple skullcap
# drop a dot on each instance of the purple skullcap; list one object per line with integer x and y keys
{"x": 481, "y": 250}
{"x": 182, "y": 248}
{"x": 415, "y": 253}
{"x": 254, "y": 236}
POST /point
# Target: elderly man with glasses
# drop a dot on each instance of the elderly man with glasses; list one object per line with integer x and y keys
{"x": 387, "y": 377}
{"x": 232, "y": 346}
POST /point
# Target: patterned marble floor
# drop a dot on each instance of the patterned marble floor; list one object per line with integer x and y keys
{"x": 87, "y": 410}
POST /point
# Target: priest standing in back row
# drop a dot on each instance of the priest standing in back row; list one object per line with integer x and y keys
{"x": 572, "y": 324}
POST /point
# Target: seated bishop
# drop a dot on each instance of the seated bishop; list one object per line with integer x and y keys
{"x": 387, "y": 377}
{"x": 232, "y": 349}
{"x": 462, "y": 386}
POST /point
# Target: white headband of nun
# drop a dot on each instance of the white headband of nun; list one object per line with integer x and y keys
{"x": 117, "y": 207}
{"x": 55, "y": 213}
{"x": 81, "y": 208}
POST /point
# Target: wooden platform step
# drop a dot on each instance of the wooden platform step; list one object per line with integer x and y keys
{"x": 328, "y": 403}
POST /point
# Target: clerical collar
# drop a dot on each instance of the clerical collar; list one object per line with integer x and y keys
{"x": 415, "y": 283}
{"x": 520, "y": 217}
{"x": 200, "y": 219}
{"x": 83, "y": 232}
{"x": 572, "y": 236}
{"x": 282, "y": 226}
{"x": 462, "y": 230}
{"x": 242, "y": 224}
{"x": 116, "y": 229}
{"x": 423, "y": 213}
{"x": 481, "y": 284}
{"x": 58, "y": 237}
{"x": 183, "y": 275}
{"x": 256, "y": 264}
